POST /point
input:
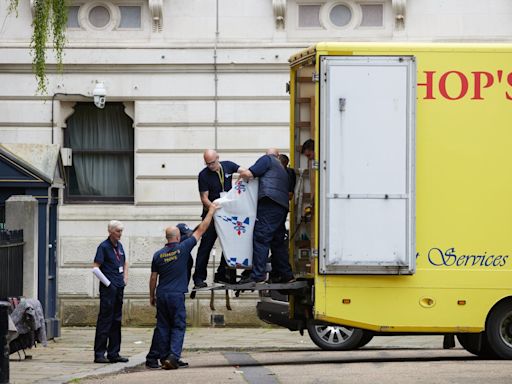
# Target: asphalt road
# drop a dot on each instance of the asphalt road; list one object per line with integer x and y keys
{"x": 372, "y": 364}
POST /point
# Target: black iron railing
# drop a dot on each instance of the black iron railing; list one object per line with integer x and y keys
{"x": 11, "y": 263}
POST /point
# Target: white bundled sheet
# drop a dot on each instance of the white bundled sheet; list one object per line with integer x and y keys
{"x": 234, "y": 222}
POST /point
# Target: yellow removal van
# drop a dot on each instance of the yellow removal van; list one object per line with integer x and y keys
{"x": 402, "y": 221}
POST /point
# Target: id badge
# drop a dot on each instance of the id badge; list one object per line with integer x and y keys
{"x": 222, "y": 194}
{"x": 121, "y": 269}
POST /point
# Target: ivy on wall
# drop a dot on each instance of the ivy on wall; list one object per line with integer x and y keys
{"x": 50, "y": 19}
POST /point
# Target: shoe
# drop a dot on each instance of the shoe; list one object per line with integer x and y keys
{"x": 220, "y": 279}
{"x": 152, "y": 364}
{"x": 118, "y": 359}
{"x": 246, "y": 280}
{"x": 200, "y": 284}
{"x": 170, "y": 363}
{"x": 182, "y": 364}
{"x": 101, "y": 360}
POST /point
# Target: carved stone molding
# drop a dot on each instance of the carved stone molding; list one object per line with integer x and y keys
{"x": 399, "y": 7}
{"x": 279, "y": 12}
{"x": 156, "y": 9}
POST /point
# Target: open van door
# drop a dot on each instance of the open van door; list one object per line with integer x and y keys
{"x": 367, "y": 153}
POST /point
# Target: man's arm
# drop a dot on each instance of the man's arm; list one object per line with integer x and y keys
{"x": 204, "y": 199}
{"x": 246, "y": 175}
{"x": 152, "y": 288}
{"x": 125, "y": 270}
{"x": 201, "y": 229}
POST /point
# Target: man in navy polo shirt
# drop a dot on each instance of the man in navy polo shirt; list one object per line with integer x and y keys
{"x": 213, "y": 181}
{"x": 154, "y": 354}
{"x": 169, "y": 268}
{"x": 269, "y": 230}
{"x": 111, "y": 261}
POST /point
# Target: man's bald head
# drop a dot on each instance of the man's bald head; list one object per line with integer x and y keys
{"x": 211, "y": 159}
{"x": 273, "y": 152}
{"x": 172, "y": 234}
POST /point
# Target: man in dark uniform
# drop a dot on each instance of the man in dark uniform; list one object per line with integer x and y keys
{"x": 269, "y": 230}
{"x": 111, "y": 261}
{"x": 154, "y": 354}
{"x": 214, "y": 181}
{"x": 169, "y": 268}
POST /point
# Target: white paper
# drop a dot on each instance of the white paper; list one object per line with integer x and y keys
{"x": 97, "y": 272}
{"x": 234, "y": 222}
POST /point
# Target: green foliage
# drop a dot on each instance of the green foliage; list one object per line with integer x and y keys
{"x": 50, "y": 19}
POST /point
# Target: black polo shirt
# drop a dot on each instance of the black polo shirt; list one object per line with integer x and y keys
{"x": 214, "y": 183}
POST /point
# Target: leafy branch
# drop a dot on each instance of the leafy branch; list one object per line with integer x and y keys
{"x": 50, "y": 19}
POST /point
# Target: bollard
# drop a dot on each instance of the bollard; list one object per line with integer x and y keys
{"x": 4, "y": 348}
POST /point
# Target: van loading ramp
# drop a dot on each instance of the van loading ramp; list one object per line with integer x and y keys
{"x": 300, "y": 284}
{"x": 255, "y": 286}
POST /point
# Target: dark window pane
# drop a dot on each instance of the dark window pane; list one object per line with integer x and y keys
{"x": 102, "y": 143}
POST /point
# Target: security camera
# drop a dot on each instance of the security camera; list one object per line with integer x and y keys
{"x": 100, "y": 94}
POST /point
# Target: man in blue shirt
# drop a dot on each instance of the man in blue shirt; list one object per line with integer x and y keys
{"x": 269, "y": 230}
{"x": 169, "y": 268}
{"x": 111, "y": 261}
{"x": 154, "y": 353}
{"x": 213, "y": 181}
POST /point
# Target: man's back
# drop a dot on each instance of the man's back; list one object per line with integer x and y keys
{"x": 170, "y": 263}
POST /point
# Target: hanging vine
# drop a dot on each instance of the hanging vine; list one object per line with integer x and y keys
{"x": 50, "y": 19}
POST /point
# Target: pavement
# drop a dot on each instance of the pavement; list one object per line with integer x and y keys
{"x": 69, "y": 358}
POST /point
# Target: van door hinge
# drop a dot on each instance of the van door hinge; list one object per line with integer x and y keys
{"x": 314, "y": 164}
{"x": 314, "y": 252}
{"x": 315, "y": 77}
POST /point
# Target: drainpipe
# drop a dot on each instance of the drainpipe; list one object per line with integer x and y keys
{"x": 215, "y": 74}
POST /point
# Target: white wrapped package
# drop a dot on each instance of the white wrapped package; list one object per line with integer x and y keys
{"x": 234, "y": 222}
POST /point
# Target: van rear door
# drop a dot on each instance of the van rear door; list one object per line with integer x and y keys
{"x": 367, "y": 153}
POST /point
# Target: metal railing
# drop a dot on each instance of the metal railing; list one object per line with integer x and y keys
{"x": 11, "y": 263}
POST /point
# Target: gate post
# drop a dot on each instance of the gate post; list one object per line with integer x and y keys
{"x": 4, "y": 347}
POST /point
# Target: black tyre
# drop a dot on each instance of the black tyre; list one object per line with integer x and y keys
{"x": 499, "y": 330}
{"x": 476, "y": 343}
{"x": 332, "y": 337}
{"x": 367, "y": 337}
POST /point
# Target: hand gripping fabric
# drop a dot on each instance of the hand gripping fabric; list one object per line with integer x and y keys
{"x": 234, "y": 223}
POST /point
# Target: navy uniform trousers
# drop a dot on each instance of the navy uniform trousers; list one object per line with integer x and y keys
{"x": 270, "y": 232}
{"x": 203, "y": 255}
{"x": 170, "y": 325}
{"x": 108, "y": 326}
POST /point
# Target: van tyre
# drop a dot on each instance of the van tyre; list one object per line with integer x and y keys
{"x": 333, "y": 337}
{"x": 476, "y": 343}
{"x": 499, "y": 330}
{"x": 367, "y": 337}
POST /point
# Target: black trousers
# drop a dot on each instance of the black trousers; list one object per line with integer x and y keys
{"x": 108, "y": 326}
{"x": 203, "y": 255}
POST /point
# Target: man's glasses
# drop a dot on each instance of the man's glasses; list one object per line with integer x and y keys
{"x": 211, "y": 162}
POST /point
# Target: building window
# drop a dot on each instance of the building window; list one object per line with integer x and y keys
{"x": 99, "y": 16}
{"x": 73, "y": 17}
{"x": 309, "y": 16}
{"x": 340, "y": 15}
{"x": 373, "y": 15}
{"x": 102, "y": 145}
{"x": 130, "y": 17}
{"x": 105, "y": 16}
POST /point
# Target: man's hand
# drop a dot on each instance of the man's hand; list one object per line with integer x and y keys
{"x": 152, "y": 301}
{"x": 246, "y": 175}
{"x": 213, "y": 207}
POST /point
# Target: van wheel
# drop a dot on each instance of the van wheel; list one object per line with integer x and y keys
{"x": 499, "y": 330}
{"x": 367, "y": 337}
{"x": 476, "y": 343}
{"x": 333, "y": 337}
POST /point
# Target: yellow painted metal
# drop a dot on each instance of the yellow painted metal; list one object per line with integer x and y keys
{"x": 463, "y": 195}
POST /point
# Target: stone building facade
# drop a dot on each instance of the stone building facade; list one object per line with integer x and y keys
{"x": 187, "y": 75}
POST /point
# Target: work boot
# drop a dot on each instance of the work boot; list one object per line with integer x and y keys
{"x": 200, "y": 284}
{"x": 182, "y": 364}
{"x": 170, "y": 363}
{"x": 152, "y": 364}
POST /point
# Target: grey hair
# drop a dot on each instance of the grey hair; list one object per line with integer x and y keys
{"x": 115, "y": 224}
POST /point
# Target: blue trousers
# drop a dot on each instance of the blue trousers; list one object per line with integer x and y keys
{"x": 108, "y": 326}
{"x": 170, "y": 324}
{"x": 270, "y": 232}
{"x": 203, "y": 255}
